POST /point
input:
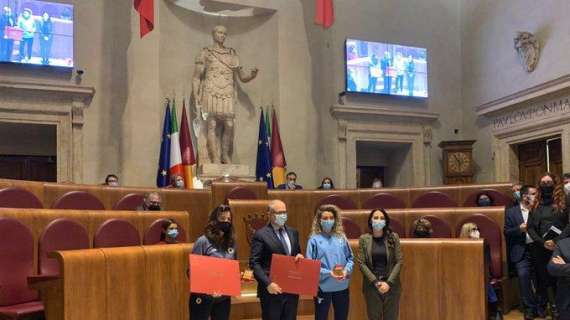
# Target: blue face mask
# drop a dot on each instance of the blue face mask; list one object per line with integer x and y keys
{"x": 517, "y": 195}
{"x": 281, "y": 219}
{"x": 172, "y": 233}
{"x": 484, "y": 202}
{"x": 327, "y": 186}
{"x": 327, "y": 225}
{"x": 378, "y": 225}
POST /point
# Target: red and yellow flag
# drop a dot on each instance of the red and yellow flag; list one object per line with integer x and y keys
{"x": 187, "y": 150}
{"x": 277, "y": 154}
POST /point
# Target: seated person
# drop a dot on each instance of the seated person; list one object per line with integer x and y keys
{"x": 377, "y": 183}
{"x": 176, "y": 182}
{"x": 422, "y": 228}
{"x": 111, "y": 180}
{"x": 151, "y": 202}
{"x": 326, "y": 184}
{"x": 484, "y": 200}
{"x": 291, "y": 182}
{"x": 169, "y": 232}
{"x": 471, "y": 231}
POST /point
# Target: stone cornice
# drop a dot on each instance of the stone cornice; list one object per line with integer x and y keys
{"x": 346, "y": 111}
{"x": 502, "y": 104}
{"x": 73, "y": 92}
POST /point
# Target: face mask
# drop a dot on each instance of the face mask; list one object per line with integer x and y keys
{"x": 422, "y": 234}
{"x": 517, "y": 195}
{"x": 327, "y": 225}
{"x": 484, "y": 202}
{"x": 546, "y": 193}
{"x": 225, "y": 226}
{"x": 474, "y": 234}
{"x": 378, "y": 225}
{"x": 180, "y": 184}
{"x": 154, "y": 207}
{"x": 377, "y": 184}
{"x": 281, "y": 219}
{"x": 327, "y": 186}
{"x": 291, "y": 183}
{"x": 172, "y": 233}
{"x": 567, "y": 188}
{"x": 113, "y": 183}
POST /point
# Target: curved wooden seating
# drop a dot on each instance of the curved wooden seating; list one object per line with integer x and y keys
{"x": 498, "y": 198}
{"x": 492, "y": 233}
{"x": 351, "y": 229}
{"x": 241, "y": 193}
{"x": 116, "y": 233}
{"x": 397, "y": 227}
{"x": 441, "y": 229}
{"x": 13, "y": 197}
{"x": 79, "y": 200}
{"x": 434, "y": 199}
{"x": 60, "y": 234}
{"x": 16, "y": 264}
{"x": 339, "y": 201}
{"x": 129, "y": 202}
{"x": 152, "y": 234}
{"x": 383, "y": 200}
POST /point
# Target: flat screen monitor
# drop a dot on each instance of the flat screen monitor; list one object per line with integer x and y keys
{"x": 36, "y": 32}
{"x": 384, "y": 68}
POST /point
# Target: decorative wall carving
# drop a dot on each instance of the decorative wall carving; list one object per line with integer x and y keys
{"x": 528, "y": 50}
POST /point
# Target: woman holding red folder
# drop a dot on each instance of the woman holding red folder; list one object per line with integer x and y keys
{"x": 218, "y": 241}
{"x": 380, "y": 261}
{"x": 328, "y": 244}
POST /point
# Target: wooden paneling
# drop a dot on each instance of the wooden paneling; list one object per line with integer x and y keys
{"x": 220, "y": 190}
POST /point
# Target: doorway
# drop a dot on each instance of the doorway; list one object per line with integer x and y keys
{"x": 538, "y": 157}
{"x": 389, "y": 161}
{"x": 28, "y": 151}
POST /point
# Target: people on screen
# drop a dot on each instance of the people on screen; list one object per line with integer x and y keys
{"x": 46, "y": 37}
{"x": 169, "y": 233}
{"x": 410, "y": 75}
{"x": 326, "y": 184}
{"x": 276, "y": 237}
{"x": 291, "y": 182}
{"x": 217, "y": 241}
{"x": 386, "y": 66}
{"x": 152, "y": 202}
{"x": 380, "y": 261}
{"x": 559, "y": 267}
{"x": 374, "y": 72}
{"x": 27, "y": 23}
{"x": 422, "y": 228}
{"x": 519, "y": 249}
{"x": 400, "y": 66}
{"x": 548, "y": 223}
{"x": 7, "y": 20}
{"x": 111, "y": 180}
{"x": 484, "y": 200}
{"x": 329, "y": 245}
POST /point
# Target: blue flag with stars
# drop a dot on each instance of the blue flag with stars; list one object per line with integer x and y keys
{"x": 263, "y": 166}
{"x": 162, "y": 177}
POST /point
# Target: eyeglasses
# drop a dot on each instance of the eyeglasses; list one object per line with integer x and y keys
{"x": 224, "y": 207}
{"x": 475, "y": 229}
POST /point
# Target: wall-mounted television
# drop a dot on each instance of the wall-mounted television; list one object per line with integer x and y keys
{"x": 383, "y": 68}
{"x": 36, "y": 32}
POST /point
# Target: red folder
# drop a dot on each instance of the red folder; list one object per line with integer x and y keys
{"x": 296, "y": 277}
{"x": 214, "y": 275}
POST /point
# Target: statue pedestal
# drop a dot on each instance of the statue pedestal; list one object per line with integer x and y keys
{"x": 212, "y": 171}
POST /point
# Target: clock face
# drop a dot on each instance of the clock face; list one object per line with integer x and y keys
{"x": 458, "y": 162}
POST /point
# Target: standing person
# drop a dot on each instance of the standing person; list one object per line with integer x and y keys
{"x": 410, "y": 75}
{"x": 278, "y": 238}
{"x": 385, "y": 65}
{"x": 218, "y": 241}
{"x": 519, "y": 249}
{"x": 566, "y": 182}
{"x": 374, "y": 72}
{"x": 400, "y": 65}
{"x": 27, "y": 23}
{"x": 559, "y": 267}
{"x": 6, "y": 44}
{"x": 516, "y": 189}
{"x": 550, "y": 215}
{"x": 328, "y": 244}
{"x": 46, "y": 37}
{"x": 380, "y": 261}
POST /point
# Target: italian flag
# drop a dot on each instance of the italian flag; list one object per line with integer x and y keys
{"x": 175, "y": 155}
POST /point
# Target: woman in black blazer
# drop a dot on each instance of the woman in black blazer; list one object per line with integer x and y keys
{"x": 559, "y": 267}
{"x": 549, "y": 215}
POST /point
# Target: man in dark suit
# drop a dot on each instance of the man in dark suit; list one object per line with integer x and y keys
{"x": 519, "y": 249}
{"x": 291, "y": 182}
{"x": 278, "y": 238}
{"x": 559, "y": 266}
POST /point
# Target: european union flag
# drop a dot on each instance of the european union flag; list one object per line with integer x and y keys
{"x": 162, "y": 177}
{"x": 263, "y": 166}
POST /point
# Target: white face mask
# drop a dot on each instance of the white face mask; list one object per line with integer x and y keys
{"x": 377, "y": 184}
{"x": 180, "y": 184}
{"x": 474, "y": 234}
{"x": 567, "y": 188}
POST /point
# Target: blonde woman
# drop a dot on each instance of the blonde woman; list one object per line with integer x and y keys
{"x": 469, "y": 231}
{"x": 328, "y": 244}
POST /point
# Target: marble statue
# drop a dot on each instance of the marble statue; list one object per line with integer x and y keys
{"x": 528, "y": 49}
{"x": 214, "y": 86}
